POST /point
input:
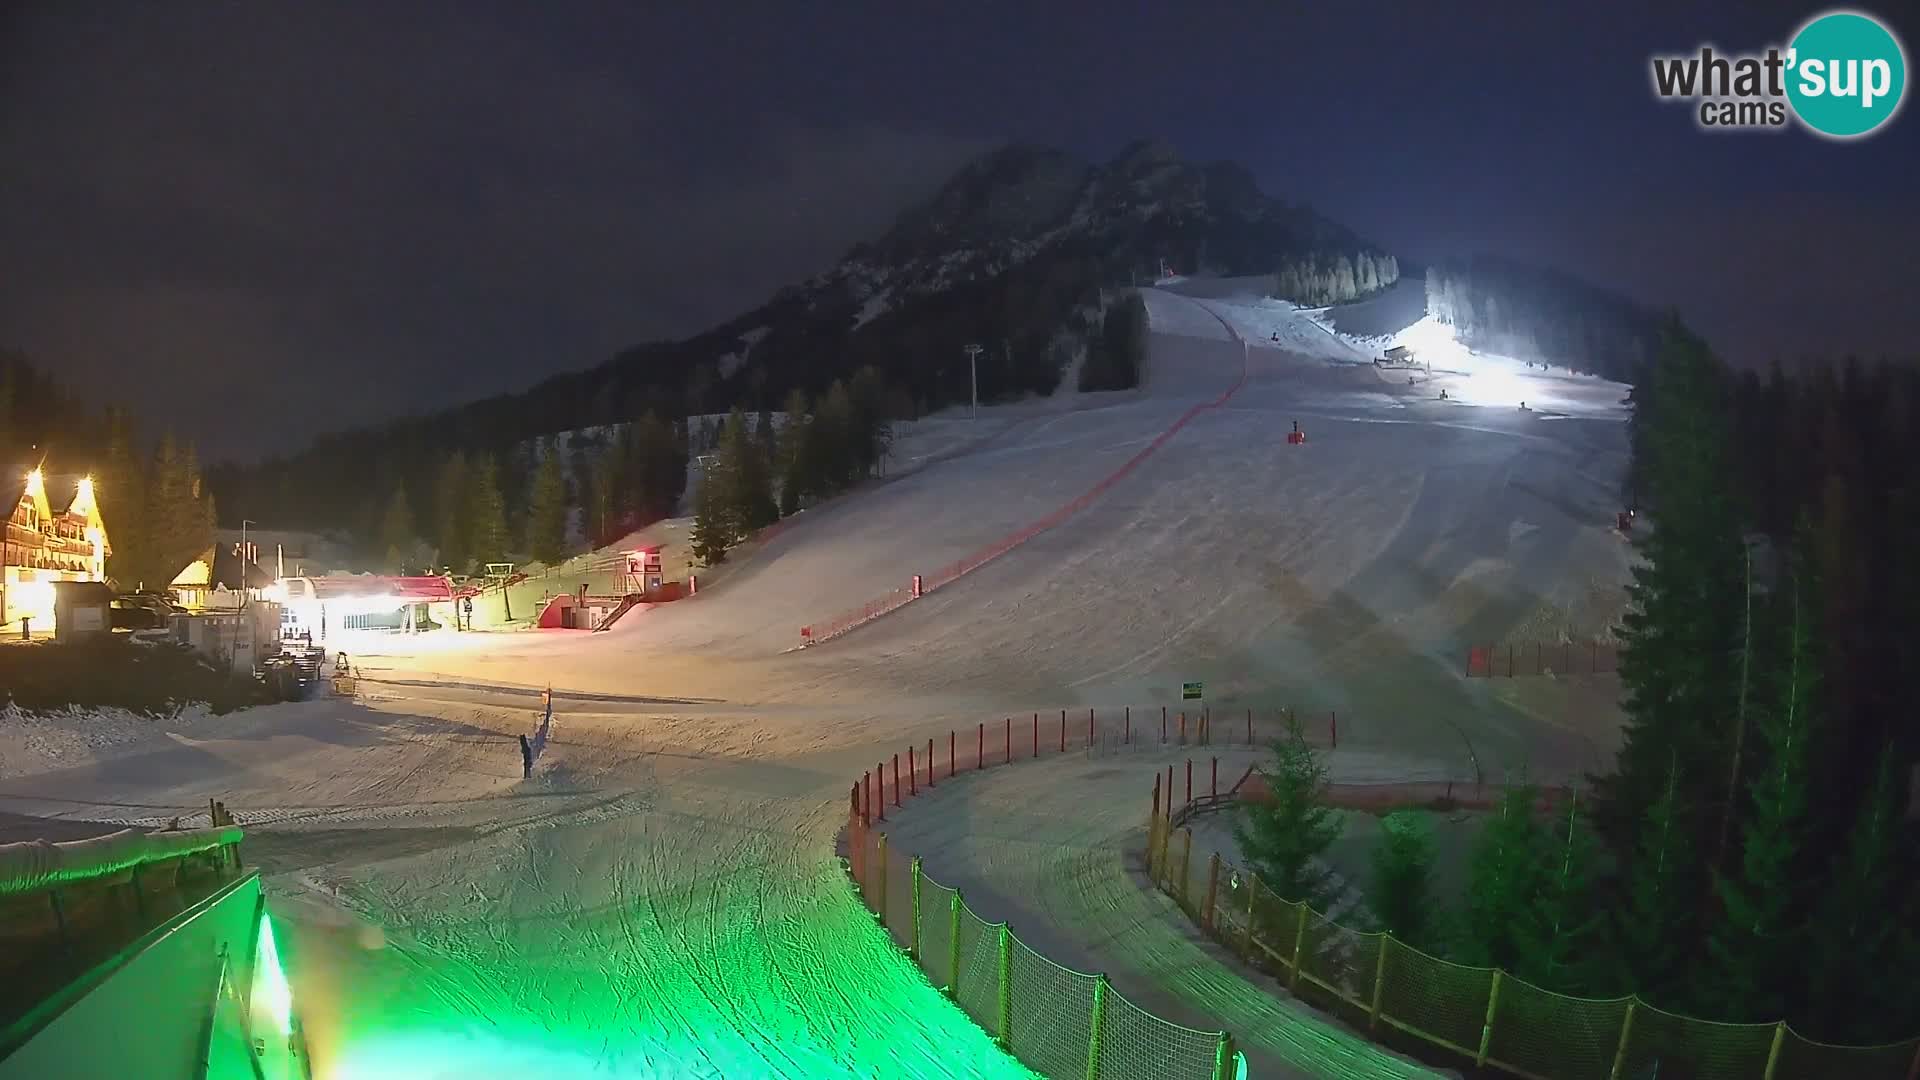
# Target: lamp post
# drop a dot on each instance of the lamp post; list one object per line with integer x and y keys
{"x": 973, "y": 378}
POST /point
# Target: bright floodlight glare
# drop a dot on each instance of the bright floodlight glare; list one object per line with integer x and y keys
{"x": 36, "y": 484}
{"x": 270, "y": 989}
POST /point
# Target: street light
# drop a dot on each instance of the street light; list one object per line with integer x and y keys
{"x": 973, "y": 377}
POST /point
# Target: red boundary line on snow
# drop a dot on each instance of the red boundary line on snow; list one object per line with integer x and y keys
{"x": 946, "y": 575}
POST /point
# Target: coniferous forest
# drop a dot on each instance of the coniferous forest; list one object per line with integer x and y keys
{"x": 1760, "y": 812}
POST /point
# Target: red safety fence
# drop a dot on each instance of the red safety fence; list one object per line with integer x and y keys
{"x": 1510, "y": 659}
{"x": 814, "y": 633}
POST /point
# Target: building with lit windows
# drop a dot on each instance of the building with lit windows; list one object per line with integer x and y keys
{"x": 54, "y": 533}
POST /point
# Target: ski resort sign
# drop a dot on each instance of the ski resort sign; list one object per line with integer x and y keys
{"x": 1190, "y": 691}
{"x": 1843, "y": 75}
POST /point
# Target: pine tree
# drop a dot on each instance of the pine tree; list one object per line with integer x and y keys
{"x": 833, "y": 438}
{"x": 121, "y": 491}
{"x": 396, "y": 530}
{"x": 547, "y": 511}
{"x": 487, "y": 512}
{"x": 1681, "y": 634}
{"x": 713, "y": 520}
{"x": 1506, "y": 881}
{"x": 450, "y": 513}
{"x": 605, "y": 487}
{"x": 793, "y": 459}
{"x": 1755, "y": 947}
{"x": 1561, "y": 932}
{"x": 1400, "y": 889}
{"x": 1856, "y": 935}
{"x": 746, "y": 485}
{"x": 769, "y": 440}
{"x": 1655, "y": 928}
{"x": 1283, "y": 839}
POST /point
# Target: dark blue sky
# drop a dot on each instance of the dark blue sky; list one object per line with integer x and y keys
{"x": 262, "y": 220}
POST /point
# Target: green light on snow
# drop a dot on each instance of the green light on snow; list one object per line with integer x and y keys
{"x": 270, "y": 990}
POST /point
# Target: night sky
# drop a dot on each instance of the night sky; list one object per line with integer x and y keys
{"x": 261, "y": 220}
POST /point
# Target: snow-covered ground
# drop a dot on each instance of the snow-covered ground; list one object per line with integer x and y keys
{"x": 660, "y": 899}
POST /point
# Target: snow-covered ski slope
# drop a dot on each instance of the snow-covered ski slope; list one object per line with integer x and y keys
{"x": 660, "y": 900}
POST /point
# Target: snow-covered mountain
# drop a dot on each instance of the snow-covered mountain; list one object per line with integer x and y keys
{"x": 1020, "y": 252}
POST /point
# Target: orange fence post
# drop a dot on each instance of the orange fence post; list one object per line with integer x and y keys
{"x": 896, "y": 779}
{"x": 880, "y": 781}
{"x": 913, "y": 773}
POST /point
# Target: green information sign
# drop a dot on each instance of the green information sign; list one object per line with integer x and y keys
{"x": 1190, "y": 691}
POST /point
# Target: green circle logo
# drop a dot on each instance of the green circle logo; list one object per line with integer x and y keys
{"x": 1846, "y": 74}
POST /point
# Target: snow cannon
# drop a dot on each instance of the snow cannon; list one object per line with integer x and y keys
{"x": 1296, "y": 436}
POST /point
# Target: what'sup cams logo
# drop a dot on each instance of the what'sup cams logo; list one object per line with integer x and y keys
{"x": 1842, "y": 76}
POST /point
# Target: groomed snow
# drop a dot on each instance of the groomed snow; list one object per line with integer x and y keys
{"x": 660, "y": 899}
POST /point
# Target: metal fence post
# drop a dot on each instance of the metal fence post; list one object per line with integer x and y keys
{"x": 1486, "y": 1029}
{"x": 1223, "y": 1058}
{"x": 880, "y": 884}
{"x": 1626, "y": 1033}
{"x": 1006, "y": 985}
{"x": 953, "y": 946}
{"x": 1093, "y": 1026}
{"x": 1773, "y": 1052}
{"x": 1379, "y": 981}
{"x": 913, "y": 942}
